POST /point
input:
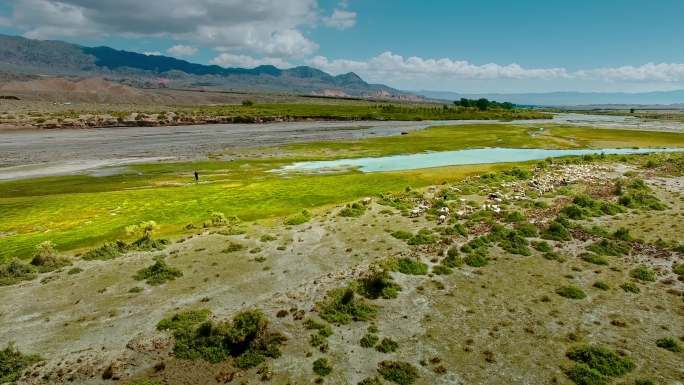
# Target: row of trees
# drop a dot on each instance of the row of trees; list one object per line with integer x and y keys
{"x": 484, "y": 104}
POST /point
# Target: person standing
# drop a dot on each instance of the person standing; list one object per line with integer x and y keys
{"x": 196, "y": 176}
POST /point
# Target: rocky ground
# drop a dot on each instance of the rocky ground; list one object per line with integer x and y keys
{"x": 464, "y": 314}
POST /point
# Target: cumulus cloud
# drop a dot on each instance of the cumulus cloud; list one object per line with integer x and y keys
{"x": 389, "y": 66}
{"x": 269, "y": 27}
{"x": 340, "y": 19}
{"x": 246, "y": 61}
{"x": 182, "y": 50}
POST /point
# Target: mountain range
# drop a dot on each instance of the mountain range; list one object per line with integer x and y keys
{"x": 25, "y": 59}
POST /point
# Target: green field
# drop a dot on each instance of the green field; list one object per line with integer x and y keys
{"x": 80, "y": 211}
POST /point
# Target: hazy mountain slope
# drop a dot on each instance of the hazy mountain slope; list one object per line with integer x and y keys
{"x": 21, "y": 56}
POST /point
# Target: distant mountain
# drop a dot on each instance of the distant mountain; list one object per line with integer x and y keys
{"x": 665, "y": 98}
{"x": 21, "y": 56}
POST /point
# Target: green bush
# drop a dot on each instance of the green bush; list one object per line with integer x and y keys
{"x": 476, "y": 260}
{"x": 424, "y": 237}
{"x": 324, "y": 330}
{"x": 341, "y": 306}
{"x": 158, "y": 273}
{"x": 603, "y": 360}
{"x": 16, "y": 271}
{"x": 369, "y": 340}
{"x": 514, "y": 217}
{"x": 452, "y": 259}
{"x": 45, "y": 258}
{"x": 582, "y": 374}
{"x": 601, "y": 285}
{"x": 247, "y": 338}
{"x": 410, "y": 266}
{"x": 643, "y": 273}
{"x": 441, "y": 270}
{"x": 401, "y": 234}
{"x": 13, "y": 363}
{"x": 630, "y": 287}
{"x": 387, "y": 345}
{"x": 622, "y": 234}
{"x": 668, "y": 343}
{"x": 370, "y": 381}
{"x": 556, "y": 232}
{"x": 401, "y": 373}
{"x": 679, "y": 269}
{"x": 571, "y": 292}
{"x": 553, "y": 256}
{"x": 593, "y": 258}
{"x": 514, "y": 243}
{"x": 322, "y": 367}
{"x": 145, "y": 381}
{"x": 542, "y": 246}
{"x": 233, "y": 247}
{"x": 298, "y": 219}
{"x": 353, "y": 210}
{"x": 108, "y": 250}
{"x": 608, "y": 247}
{"x": 527, "y": 230}
{"x": 378, "y": 284}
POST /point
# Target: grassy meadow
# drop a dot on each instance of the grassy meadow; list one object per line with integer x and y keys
{"x": 80, "y": 211}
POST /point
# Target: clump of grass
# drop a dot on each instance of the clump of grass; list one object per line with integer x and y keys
{"x": 527, "y": 230}
{"x": 378, "y": 284}
{"x": 108, "y": 250}
{"x": 13, "y": 363}
{"x": 622, "y": 234}
{"x": 387, "y": 345}
{"x": 594, "y": 258}
{"x": 401, "y": 234}
{"x": 233, "y": 247}
{"x": 267, "y": 238}
{"x": 441, "y": 270}
{"x": 16, "y": 271}
{"x": 556, "y": 232}
{"x": 643, "y": 273}
{"x": 553, "y": 256}
{"x": 75, "y": 270}
{"x": 323, "y": 329}
{"x": 341, "y": 306}
{"x": 369, "y": 340}
{"x": 423, "y": 237}
{"x": 585, "y": 207}
{"x": 322, "y": 367}
{"x": 298, "y": 219}
{"x": 678, "y": 269}
{"x": 408, "y": 266}
{"x": 630, "y": 287}
{"x": 572, "y": 292}
{"x": 145, "y": 381}
{"x": 45, "y": 258}
{"x": 146, "y": 242}
{"x": 542, "y": 246}
{"x": 476, "y": 260}
{"x": 601, "y": 360}
{"x": 601, "y": 285}
{"x": 399, "y": 372}
{"x": 247, "y": 338}
{"x": 514, "y": 243}
{"x": 582, "y": 374}
{"x": 452, "y": 260}
{"x": 669, "y": 343}
{"x": 370, "y": 381}
{"x": 608, "y": 247}
{"x": 353, "y": 210}
{"x": 158, "y": 273}
{"x": 637, "y": 200}
{"x": 514, "y": 217}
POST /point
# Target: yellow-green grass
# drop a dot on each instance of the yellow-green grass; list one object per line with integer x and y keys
{"x": 81, "y": 211}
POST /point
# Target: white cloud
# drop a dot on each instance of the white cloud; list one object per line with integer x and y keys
{"x": 662, "y": 72}
{"x": 245, "y": 61}
{"x": 152, "y": 53}
{"x": 270, "y": 27}
{"x": 340, "y": 19}
{"x": 182, "y": 50}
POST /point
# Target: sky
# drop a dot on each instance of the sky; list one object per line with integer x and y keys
{"x": 443, "y": 45}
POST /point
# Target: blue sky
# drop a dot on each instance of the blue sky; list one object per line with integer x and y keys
{"x": 463, "y": 46}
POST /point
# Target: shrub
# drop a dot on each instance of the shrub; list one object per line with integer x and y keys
{"x": 145, "y": 381}
{"x": 267, "y": 238}
{"x": 341, "y": 306}
{"x": 424, "y": 237}
{"x": 16, "y": 271}
{"x": 527, "y": 230}
{"x": 608, "y": 247}
{"x": 679, "y": 269}
{"x": 582, "y": 374}
{"x": 460, "y": 229}
{"x": 571, "y": 292}
{"x": 322, "y": 367}
{"x": 387, "y": 345}
{"x": 641, "y": 200}
{"x": 108, "y": 250}
{"x": 452, "y": 260}
{"x": 601, "y": 285}
{"x": 410, "y": 266}
{"x": 378, "y": 284}
{"x": 316, "y": 340}
{"x": 158, "y": 273}
{"x": 553, "y": 256}
{"x": 401, "y": 234}
{"x": 353, "y": 210}
{"x": 476, "y": 260}
{"x": 246, "y": 337}
{"x": 593, "y": 258}
{"x": 643, "y": 273}
{"x": 370, "y": 381}
{"x": 668, "y": 343}
{"x": 13, "y": 363}
{"x": 603, "y": 360}
{"x": 556, "y": 232}
{"x": 441, "y": 270}
{"x": 542, "y": 246}
{"x": 324, "y": 330}
{"x": 514, "y": 243}
{"x": 514, "y": 217}
{"x": 398, "y": 372}
{"x": 622, "y": 234}
{"x": 630, "y": 287}
{"x": 45, "y": 258}
{"x": 233, "y": 247}
{"x": 247, "y": 103}
{"x": 641, "y": 381}
{"x": 369, "y": 340}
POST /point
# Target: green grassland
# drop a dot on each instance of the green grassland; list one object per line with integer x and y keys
{"x": 81, "y": 211}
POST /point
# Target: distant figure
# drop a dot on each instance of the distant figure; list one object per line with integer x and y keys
{"x": 196, "y": 176}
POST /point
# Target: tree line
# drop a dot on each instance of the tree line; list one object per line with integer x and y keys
{"x": 484, "y": 104}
